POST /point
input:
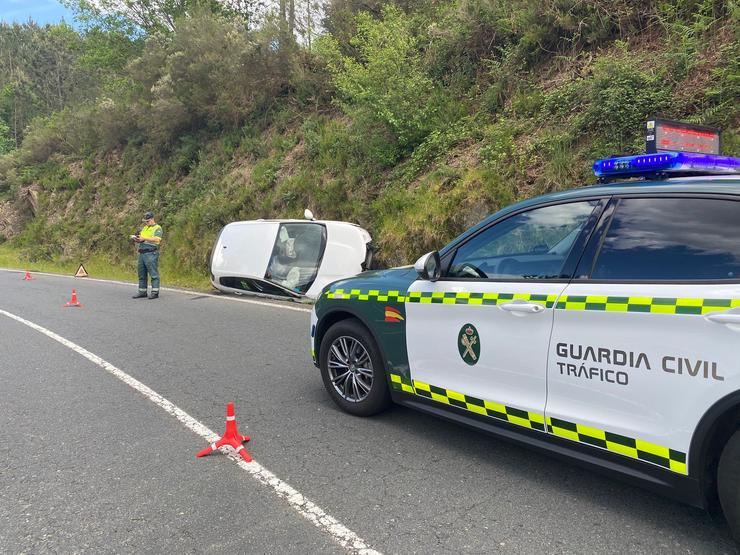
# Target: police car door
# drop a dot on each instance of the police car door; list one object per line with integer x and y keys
{"x": 647, "y": 337}
{"x": 478, "y": 338}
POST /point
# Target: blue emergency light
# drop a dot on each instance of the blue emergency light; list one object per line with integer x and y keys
{"x": 665, "y": 164}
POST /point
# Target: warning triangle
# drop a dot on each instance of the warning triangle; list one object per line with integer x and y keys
{"x": 81, "y": 272}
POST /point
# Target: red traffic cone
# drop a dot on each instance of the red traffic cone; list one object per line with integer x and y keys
{"x": 231, "y": 437}
{"x": 73, "y": 301}
{"x": 28, "y": 276}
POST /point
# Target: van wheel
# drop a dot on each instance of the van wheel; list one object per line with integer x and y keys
{"x": 353, "y": 370}
{"x": 728, "y": 483}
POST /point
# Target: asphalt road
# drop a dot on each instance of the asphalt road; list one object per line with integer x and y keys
{"x": 87, "y": 464}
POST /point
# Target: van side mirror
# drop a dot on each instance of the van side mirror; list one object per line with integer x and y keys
{"x": 429, "y": 266}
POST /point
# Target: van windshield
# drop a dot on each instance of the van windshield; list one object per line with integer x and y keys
{"x": 296, "y": 256}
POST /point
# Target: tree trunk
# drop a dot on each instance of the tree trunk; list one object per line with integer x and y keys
{"x": 283, "y": 23}
{"x": 309, "y": 24}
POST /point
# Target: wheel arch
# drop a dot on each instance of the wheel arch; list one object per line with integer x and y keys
{"x": 337, "y": 315}
{"x": 711, "y": 434}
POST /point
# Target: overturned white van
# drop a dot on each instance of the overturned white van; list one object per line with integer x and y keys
{"x": 287, "y": 258}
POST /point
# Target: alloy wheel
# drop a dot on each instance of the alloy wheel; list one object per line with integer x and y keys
{"x": 350, "y": 369}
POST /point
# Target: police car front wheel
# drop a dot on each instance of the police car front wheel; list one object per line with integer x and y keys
{"x": 728, "y": 482}
{"x": 352, "y": 369}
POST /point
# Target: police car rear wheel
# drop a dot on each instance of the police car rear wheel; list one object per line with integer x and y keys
{"x": 728, "y": 483}
{"x": 352, "y": 369}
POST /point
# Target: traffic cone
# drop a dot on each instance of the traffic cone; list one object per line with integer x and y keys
{"x": 28, "y": 276}
{"x": 73, "y": 301}
{"x": 231, "y": 437}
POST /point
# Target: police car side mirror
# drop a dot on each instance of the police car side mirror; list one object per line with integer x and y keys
{"x": 429, "y": 266}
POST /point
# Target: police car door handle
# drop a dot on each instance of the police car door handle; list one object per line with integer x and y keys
{"x": 724, "y": 318}
{"x": 522, "y": 307}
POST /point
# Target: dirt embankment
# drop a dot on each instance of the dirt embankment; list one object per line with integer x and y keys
{"x": 14, "y": 214}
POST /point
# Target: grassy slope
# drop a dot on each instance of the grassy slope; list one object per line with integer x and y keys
{"x": 543, "y": 138}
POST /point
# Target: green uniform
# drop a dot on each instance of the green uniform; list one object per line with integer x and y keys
{"x": 149, "y": 258}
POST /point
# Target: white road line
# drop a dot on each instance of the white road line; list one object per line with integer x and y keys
{"x": 283, "y": 305}
{"x": 306, "y": 508}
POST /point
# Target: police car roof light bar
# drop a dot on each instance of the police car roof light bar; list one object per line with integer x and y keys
{"x": 665, "y": 164}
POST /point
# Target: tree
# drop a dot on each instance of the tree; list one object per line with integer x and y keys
{"x": 39, "y": 73}
{"x": 154, "y": 16}
{"x": 7, "y": 143}
{"x": 212, "y": 73}
{"x": 307, "y": 21}
{"x": 386, "y": 82}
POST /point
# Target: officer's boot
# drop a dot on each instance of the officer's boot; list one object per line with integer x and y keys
{"x": 154, "y": 295}
{"x": 139, "y": 295}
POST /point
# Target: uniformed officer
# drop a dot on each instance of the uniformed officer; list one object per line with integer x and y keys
{"x": 148, "y": 240}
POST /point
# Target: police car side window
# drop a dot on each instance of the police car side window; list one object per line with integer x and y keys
{"x": 671, "y": 239}
{"x": 529, "y": 245}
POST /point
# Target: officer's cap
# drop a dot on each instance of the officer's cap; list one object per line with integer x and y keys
{"x": 148, "y": 216}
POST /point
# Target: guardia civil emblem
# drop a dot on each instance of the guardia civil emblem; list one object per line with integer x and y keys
{"x": 468, "y": 343}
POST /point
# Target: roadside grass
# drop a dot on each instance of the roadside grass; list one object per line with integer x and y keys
{"x": 98, "y": 266}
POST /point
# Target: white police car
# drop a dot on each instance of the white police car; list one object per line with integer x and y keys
{"x": 601, "y": 324}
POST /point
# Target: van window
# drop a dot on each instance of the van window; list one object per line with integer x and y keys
{"x": 669, "y": 239}
{"x": 296, "y": 256}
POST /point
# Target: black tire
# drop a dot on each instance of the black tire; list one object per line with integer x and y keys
{"x": 728, "y": 483}
{"x": 378, "y": 398}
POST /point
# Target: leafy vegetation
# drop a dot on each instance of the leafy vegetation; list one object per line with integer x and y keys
{"x": 412, "y": 118}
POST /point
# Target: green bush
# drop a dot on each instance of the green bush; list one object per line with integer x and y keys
{"x": 7, "y": 142}
{"x": 39, "y": 242}
{"x": 612, "y": 102}
{"x": 386, "y": 81}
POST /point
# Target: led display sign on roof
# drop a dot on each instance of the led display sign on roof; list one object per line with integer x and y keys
{"x": 674, "y": 136}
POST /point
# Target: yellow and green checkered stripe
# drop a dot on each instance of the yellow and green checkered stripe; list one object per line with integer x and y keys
{"x": 512, "y": 415}
{"x": 630, "y": 447}
{"x": 400, "y": 383}
{"x": 627, "y": 446}
{"x": 369, "y": 295}
{"x": 449, "y": 297}
{"x": 653, "y": 305}
{"x": 439, "y": 297}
